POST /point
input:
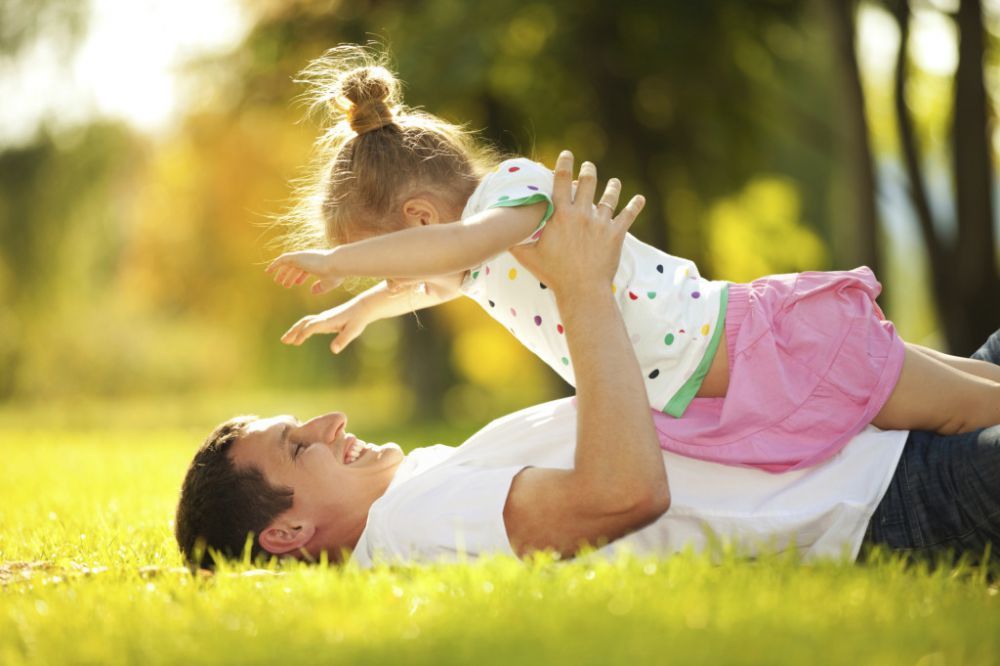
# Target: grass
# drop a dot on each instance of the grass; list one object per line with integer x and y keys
{"x": 88, "y": 574}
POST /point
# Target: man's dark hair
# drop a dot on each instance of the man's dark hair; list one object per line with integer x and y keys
{"x": 221, "y": 504}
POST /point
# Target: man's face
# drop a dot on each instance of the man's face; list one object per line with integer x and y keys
{"x": 334, "y": 475}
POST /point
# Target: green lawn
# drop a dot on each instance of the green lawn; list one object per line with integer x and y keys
{"x": 88, "y": 575}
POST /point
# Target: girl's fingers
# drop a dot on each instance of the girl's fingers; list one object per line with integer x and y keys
{"x": 632, "y": 209}
{"x": 562, "y": 193}
{"x": 279, "y": 262}
{"x": 323, "y": 286}
{"x": 609, "y": 200}
{"x": 289, "y": 336}
{"x": 588, "y": 184}
{"x": 315, "y": 325}
{"x": 344, "y": 338}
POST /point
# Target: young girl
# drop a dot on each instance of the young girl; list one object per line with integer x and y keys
{"x": 777, "y": 374}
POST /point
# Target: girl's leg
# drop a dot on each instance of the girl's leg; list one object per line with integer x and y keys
{"x": 932, "y": 395}
{"x": 945, "y": 494}
{"x": 969, "y": 365}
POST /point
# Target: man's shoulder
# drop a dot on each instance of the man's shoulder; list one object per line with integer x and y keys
{"x": 447, "y": 510}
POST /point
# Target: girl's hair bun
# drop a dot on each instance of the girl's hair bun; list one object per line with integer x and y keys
{"x": 367, "y": 95}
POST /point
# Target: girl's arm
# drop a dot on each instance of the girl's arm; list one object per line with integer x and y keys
{"x": 420, "y": 252}
{"x": 348, "y": 320}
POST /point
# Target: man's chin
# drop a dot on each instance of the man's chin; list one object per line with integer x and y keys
{"x": 387, "y": 449}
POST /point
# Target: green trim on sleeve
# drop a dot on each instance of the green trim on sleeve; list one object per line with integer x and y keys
{"x": 527, "y": 201}
{"x": 686, "y": 393}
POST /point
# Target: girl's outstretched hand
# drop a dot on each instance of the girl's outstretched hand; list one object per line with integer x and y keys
{"x": 348, "y": 320}
{"x": 292, "y": 269}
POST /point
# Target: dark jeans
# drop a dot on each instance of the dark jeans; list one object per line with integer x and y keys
{"x": 945, "y": 494}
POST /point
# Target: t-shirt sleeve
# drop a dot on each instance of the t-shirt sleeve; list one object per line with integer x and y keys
{"x": 446, "y": 515}
{"x": 520, "y": 182}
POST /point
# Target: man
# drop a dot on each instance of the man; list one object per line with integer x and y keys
{"x": 572, "y": 472}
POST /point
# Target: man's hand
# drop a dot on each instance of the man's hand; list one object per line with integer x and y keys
{"x": 292, "y": 268}
{"x": 580, "y": 248}
{"x": 347, "y": 320}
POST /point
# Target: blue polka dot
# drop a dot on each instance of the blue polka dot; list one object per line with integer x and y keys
{"x": 532, "y": 187}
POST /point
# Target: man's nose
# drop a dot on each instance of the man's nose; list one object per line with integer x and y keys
{"x": 326, "y": 425}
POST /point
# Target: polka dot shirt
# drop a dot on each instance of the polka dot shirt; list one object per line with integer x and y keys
{"x": 671, "y": 313}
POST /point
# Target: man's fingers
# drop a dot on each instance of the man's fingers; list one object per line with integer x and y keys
{"x": 609, "y": 200}
{"x": 632, "y": 209}
{"x": 588, "y": 184}
{"x": 562, "y": 194}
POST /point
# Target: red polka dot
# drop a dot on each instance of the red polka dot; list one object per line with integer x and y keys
{"x": 559, "y": 327}
{"x": 513, "y": 169}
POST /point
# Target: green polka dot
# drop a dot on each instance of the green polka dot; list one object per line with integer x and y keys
{"x": 565, "y": 360}
{"x": 651, "y": 294}
{"x": 475, "y": 274}
{"x": 669, "y": 339}
{"x": 503, "y": 197}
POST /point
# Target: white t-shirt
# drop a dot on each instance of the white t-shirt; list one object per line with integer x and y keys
{"x": 446, "y": 503}
{"x": 672, "y": 314}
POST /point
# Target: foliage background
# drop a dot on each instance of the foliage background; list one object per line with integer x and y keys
{"x": 131, "y": 255}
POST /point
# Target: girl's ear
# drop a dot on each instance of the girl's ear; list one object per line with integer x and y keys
{"x": 280, "y": 538}
{"x": 419, "y": 212}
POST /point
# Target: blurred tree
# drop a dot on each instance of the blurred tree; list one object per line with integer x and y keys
{"x": 856, "y": 237}
{"x": 62, "y": 22}
{"x": 965, "y": 274}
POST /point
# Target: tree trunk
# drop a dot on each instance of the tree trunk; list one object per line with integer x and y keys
{"x": 427, "y": 369}
{"x": 970, "y": 311}
{"x": 856, "y": 239}
{"x": 938, "y": 253}
{"x": 615, "y": 111}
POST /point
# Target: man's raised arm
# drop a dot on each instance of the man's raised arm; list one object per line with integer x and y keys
{"x": 618, "y": 483}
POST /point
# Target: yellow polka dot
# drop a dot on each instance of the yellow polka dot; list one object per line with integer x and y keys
{"x": 704, "y": 329}
{"x": 512, "y": 274}
{"x": 614, "y": 289}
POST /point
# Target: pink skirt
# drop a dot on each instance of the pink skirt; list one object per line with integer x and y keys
{"x": 812, "y": 361}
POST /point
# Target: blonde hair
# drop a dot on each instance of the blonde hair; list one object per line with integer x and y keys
{"x": 374, "y": 152}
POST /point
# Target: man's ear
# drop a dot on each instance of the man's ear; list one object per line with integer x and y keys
{"x": 419, "y": 212}
{"x": 282, "y": 536}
